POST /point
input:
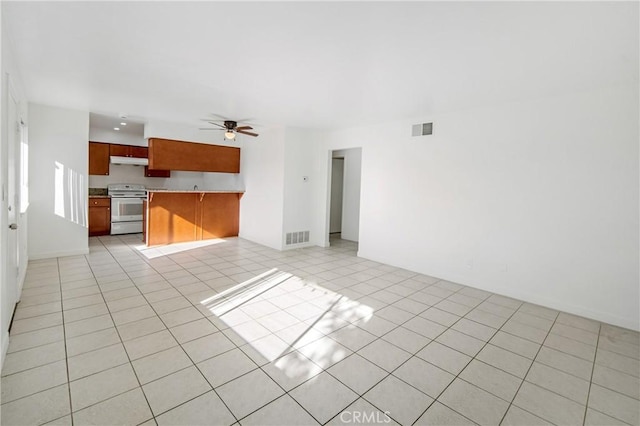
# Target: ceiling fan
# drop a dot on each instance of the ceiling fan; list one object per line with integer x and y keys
{"x": 230, "y": 127}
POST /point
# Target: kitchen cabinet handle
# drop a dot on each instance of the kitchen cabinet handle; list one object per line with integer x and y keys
{"x": 201, "y": 196}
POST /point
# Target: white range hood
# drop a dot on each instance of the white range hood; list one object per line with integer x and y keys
{"x": 130, "y": 160}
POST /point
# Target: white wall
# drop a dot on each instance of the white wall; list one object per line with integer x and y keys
{"x": 58, "y": 166}
{"x": 337, "y": 185}
{"x": 300, "y": 203}
{"x": 536, "y": 200}
{"x": 261, "y": 207}
{"x": 351, "y": 192}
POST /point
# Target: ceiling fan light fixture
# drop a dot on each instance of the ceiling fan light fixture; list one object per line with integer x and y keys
{"x": 229, "y": 134}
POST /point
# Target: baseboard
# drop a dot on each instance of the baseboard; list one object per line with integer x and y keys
{"x": 50, "y": 255}
{"x": 297, "y": 246}
{"x": 630, "y": 323}
{"x": 5, "y": 347}
{"x": 604, "y": 317}
{"x": 22, "y": 277}
{"x": 258, "y": 241}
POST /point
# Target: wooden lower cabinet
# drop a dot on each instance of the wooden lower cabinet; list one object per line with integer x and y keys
{"x": 144, "y": 221}
{"x": 174, "y": 217}
{"x": 99, "y": 216}
{"x": 171, "y": 217}
{"x": 220, "y": 215}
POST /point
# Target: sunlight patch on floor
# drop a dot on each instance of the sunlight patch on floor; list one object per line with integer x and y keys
{"x": 286, "y": 321}
{"x": 159, "y": 251}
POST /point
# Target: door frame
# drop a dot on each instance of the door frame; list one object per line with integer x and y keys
{"x": 327, "y": 202}
{"x": 12, "y": 163}
{"x": 332, "y": 198}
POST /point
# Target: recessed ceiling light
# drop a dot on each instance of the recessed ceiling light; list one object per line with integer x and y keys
{"x": 123, "y": 124}
{"x": 116, "y": 128}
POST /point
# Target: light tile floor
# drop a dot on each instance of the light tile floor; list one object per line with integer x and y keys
{"x": 233, "y": 332}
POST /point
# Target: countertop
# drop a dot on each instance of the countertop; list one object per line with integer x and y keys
{"x": 199, "y": 191}
{"x": 99, "y": 196}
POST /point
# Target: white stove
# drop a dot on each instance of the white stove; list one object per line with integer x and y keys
{"x": 126, "y": 207}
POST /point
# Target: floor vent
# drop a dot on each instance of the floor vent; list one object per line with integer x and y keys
{"x": 297, "y": 237}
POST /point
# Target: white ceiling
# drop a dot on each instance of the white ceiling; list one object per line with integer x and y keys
{"x": 315, "y": 64}
{"x": 108, "y": 123}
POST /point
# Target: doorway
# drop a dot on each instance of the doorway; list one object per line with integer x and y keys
{"x": 344, "y": 198}
{"x": 337, "y": 185}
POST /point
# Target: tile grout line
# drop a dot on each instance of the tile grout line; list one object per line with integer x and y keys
{"x": 201, "y": 258}
{"x": 64, "y": 339}
{"x": 381, "y": 337}
{"x": 123, "y": 347}
{"x": 178, "y": 344}
{"x": 436, "y": 399}
{"x": 390, "y": 373}
{"x": 185, "y": 352}
{"x": 593, "y": 368}
{"x": 258, "y": 368}
{"x": 524, "y": 379}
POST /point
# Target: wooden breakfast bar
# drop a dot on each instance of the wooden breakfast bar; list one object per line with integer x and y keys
{"x": 176, "y": 216}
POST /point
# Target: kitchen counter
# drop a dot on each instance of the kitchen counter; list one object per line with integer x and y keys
{"x": 199, "y": 191}
{"x": 99, "y": 196}
{"x": 97, "y": 192}
{"x": 177, "y": 216}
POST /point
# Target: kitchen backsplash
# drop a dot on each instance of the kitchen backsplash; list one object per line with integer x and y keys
{"x": 178, "y": 179}
{"x": 97, "y": 191}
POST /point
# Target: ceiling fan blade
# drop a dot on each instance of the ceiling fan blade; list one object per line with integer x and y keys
{"x": 222, "y": 117}
{"x": 244, "y": 128}
{"x": 217, "y": 124}
{"x": 209, "y": 128}
{"x": 246, "y": 133}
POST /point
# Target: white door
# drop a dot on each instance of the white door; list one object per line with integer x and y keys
{"x": 13, "y": 207}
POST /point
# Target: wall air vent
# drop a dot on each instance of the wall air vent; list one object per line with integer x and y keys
{"x": 422, "y": 129}
{"x": 296, "y": 237}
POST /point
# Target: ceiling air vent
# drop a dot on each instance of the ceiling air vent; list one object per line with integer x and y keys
{"x": 422, "y": 129}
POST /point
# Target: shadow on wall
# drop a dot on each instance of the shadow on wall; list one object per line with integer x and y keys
{"x": 70, "y": 195}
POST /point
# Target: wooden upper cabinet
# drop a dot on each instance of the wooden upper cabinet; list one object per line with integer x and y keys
{"x": 166, "y": 154}
{"x": 119, "y": 150}
{"x": 156, "y": 173}
{"x": 128, "y": 151}
{"x": 98, "y": 158}
{"x": 139, "y": 151}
